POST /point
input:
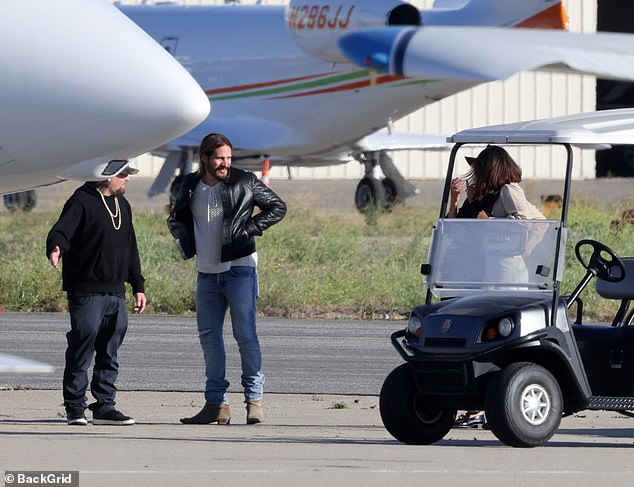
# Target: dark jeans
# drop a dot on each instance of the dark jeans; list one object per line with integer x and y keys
{"x": 98, "y": 325}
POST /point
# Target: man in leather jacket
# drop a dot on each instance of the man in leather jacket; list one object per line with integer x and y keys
{"x": 213, "y": 219}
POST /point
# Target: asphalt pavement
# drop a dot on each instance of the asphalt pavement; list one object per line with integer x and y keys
{"x": 322, "y": 419}
{"x": 162, "y": 353}
{"x": 306, "y": 440}
{"x": 323, "y": 424}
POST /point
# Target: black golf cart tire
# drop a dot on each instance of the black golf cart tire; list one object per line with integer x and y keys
{"x": 503, "y": 405}
{"x": 400, "y": 407}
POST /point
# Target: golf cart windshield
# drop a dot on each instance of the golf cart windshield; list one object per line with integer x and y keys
{"x": 472, "y": 255}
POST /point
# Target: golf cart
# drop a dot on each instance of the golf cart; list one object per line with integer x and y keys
{"x": 503, "y": 342}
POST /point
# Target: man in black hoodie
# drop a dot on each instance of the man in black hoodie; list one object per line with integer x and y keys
{"x": 95, "y": 238}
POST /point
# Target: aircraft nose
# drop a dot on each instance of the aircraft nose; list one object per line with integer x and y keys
{"x": 88, "y": 82}
{"x": 144, "y": 96}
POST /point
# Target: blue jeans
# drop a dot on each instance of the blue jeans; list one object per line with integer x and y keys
{"x": 98, "y": 326}
{"x": 235, "y": 289}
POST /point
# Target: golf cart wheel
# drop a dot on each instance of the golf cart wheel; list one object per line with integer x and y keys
{"x": 405, "y": 414}
{"x": 524, "y": 405}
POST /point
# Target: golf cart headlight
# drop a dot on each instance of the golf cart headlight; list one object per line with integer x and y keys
{"x": 414, "y": 325}
{"x": 505, "y": 327}
{"x": 497, "y": 330}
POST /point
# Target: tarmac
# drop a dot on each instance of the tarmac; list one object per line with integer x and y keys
{"x": 322, "y": 418}
{"x": 306, "y": 440}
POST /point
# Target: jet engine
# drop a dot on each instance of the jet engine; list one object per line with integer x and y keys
{"x": 317, "y": 26}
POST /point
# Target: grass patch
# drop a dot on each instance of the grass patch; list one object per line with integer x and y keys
{"x": 312, "y": 264}
{"x": 339, "y": 405}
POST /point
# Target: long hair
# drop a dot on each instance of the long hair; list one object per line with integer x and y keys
{"x": 208, "y": 146}
{"x": 492, "y": 169}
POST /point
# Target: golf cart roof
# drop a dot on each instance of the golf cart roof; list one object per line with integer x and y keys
{"x": 584, "y": 129}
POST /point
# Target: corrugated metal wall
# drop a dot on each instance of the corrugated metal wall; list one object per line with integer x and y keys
{"x": 522, "y": 97}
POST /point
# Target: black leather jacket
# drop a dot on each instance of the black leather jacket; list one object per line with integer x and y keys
{"x": 240, "y": 193}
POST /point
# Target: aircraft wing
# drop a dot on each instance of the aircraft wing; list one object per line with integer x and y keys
{"x": 256, "y": 136}
{"x": 489, "y": 53}
{"x": 387, "y": 140}
{"x": 259, "y": 136}
{"x": 252, "y": 139}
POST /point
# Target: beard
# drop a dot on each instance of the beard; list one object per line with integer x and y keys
{"x": 220, "y": 173}
{"x": 111, "y": 191}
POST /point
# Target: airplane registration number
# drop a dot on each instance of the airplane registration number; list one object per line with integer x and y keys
{"x": 319, "y": 17}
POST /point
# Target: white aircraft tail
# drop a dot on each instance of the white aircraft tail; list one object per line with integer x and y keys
{"x": 533, "y": 14}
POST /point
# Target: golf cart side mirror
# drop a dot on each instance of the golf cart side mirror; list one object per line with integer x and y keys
{"x": 425, "y": 269}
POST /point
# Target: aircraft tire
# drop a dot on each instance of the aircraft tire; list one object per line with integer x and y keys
{"x": 23, "y": 201}
{"x": 391, "y": 193}
{"x": 370, "y": 193}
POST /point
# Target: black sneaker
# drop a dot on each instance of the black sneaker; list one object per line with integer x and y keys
{"x": 471, "y": 419}
{"x": 75, "y": 416}
{"x": 112, "y": 417}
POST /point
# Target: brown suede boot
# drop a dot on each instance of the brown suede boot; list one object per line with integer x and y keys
{"x": 210, "y": 413}
{"x": 255, "y": 414}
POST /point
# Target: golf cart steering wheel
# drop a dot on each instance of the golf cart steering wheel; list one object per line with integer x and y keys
{"x": 600, "y": 265}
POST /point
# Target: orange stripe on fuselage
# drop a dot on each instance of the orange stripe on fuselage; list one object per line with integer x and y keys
{"x": 267, "y": 84}
{"x": 346, "y": 87}
{"x": 555, "y": 17}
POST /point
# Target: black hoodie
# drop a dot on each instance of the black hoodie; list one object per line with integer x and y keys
{"x": 96, "y": 258}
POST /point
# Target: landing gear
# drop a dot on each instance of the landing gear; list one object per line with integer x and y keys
{"x": 383, "y": 194}
{"x": 177, "y": 159}
{"x": 370, "y": 192}
{"x": 23, "y": 201}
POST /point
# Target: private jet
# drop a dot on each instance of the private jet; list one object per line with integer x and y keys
{"x": 316, "y": 83}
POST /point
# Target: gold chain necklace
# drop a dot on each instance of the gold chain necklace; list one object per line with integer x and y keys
{"x": 117, "y": 211}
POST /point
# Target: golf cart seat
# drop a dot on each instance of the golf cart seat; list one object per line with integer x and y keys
{"x": 623, "y": 290}
{"x": 608, "y": 351}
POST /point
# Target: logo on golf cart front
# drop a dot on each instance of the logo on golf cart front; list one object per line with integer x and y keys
{"x": 446, "y": 326}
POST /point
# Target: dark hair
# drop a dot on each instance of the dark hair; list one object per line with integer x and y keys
{"x": 492, "y": 169}
{"x": 209, "y": 145}
{"x": 211, "y": 142}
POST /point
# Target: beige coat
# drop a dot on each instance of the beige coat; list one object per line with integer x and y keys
{"x": 512, "y": 203}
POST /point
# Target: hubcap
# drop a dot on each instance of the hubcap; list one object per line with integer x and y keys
{"x": 535, "y": 404}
